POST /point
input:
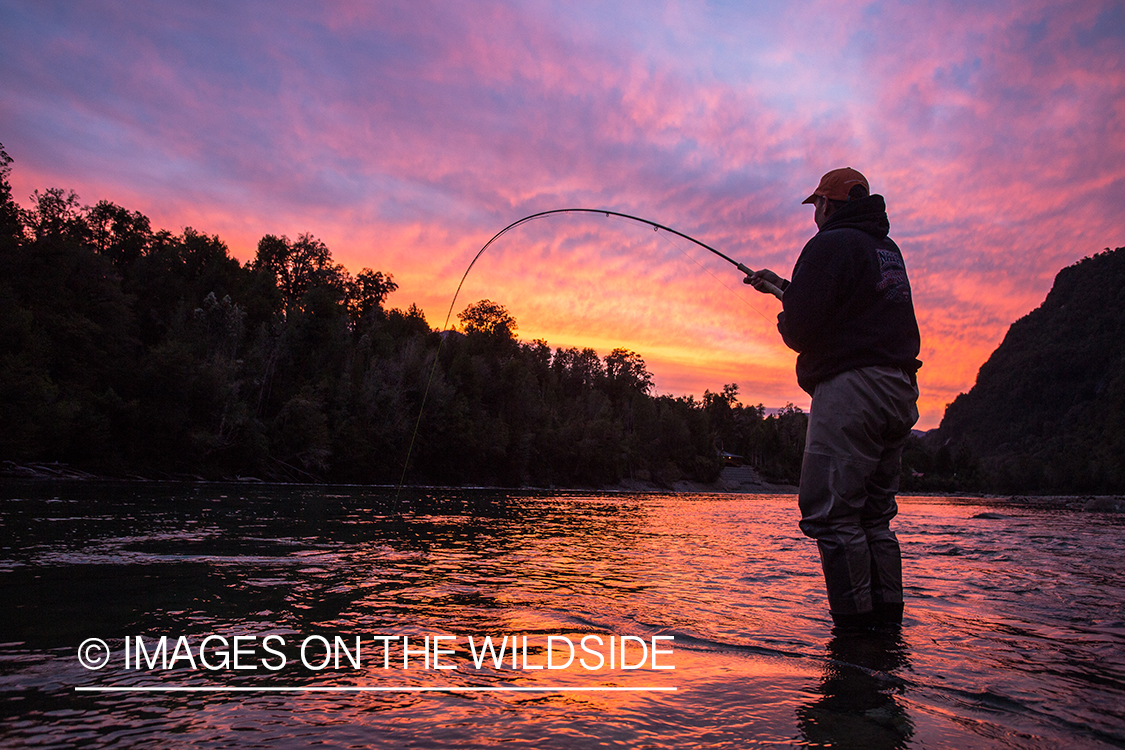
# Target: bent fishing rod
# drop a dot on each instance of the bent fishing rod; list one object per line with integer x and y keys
{"x": 604, "y": 212}
{"x": 553, "y": 212}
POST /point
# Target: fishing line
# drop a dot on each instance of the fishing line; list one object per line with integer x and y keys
{"x": 445, "y": 326}
{"x": 692, "y": 258}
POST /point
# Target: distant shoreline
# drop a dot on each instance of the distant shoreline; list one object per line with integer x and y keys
{"x": 56, "y": 471}
{"x": 53, "y": 472}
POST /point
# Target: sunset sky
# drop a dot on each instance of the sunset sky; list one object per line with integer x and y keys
{"x": 404, "y": 135}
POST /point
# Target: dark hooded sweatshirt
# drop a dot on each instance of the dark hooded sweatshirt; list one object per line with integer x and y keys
{"x": 849, "y": 304}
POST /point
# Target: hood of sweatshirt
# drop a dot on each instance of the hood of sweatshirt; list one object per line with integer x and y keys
{"x": 865, "y": 214}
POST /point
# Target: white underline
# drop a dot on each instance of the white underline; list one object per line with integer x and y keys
{"x": 366, "y": 689}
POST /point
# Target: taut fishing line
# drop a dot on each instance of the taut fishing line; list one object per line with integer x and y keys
{"x": 656, "y": 227}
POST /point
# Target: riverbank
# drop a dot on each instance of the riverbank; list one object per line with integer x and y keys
{"x": 741, "y": 480}
{"x": 732, "y": 479}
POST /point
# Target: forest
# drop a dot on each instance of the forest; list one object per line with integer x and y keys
{"x": 132, "y": 352}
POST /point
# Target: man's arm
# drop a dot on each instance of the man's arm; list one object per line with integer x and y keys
{"x": 823, "y": 276}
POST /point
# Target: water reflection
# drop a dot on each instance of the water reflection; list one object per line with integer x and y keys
{"x": 1020, "y": 650}
{"x": 857, "y": 706}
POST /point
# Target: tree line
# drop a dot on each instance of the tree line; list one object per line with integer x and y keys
{"x": 129, "y": 351}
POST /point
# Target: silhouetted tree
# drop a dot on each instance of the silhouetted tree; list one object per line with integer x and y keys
{"x": 299, "y": 266}
{"x": 366, "y": 294}
{"x": 625, "y": 373}
{"x": 488, "y": 318}
{"x": 10, "y": 225}
{"x": 121, "y": 235}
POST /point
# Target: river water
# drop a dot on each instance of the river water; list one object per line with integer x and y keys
{"x": 1014, "y": 634}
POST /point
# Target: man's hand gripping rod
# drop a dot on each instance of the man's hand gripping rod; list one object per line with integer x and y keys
{"x": 765, "y": 281}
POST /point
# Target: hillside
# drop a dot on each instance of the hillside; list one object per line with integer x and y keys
{"x": 1047, "y": 412}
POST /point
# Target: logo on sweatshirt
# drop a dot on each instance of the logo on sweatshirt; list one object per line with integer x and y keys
{"x": 893, "y": 284}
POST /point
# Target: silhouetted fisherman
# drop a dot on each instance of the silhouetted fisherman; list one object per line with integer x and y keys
{"x": 848, "y": 314}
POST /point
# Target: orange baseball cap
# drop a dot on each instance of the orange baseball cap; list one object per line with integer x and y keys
{"x": 836, "y": 184}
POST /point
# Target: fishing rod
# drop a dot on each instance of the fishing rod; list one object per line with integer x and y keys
{"x": 555, "y": 211}
{"x": 604, "y": 212}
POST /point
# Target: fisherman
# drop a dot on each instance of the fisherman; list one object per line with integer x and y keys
{"x": 849, "y": 316}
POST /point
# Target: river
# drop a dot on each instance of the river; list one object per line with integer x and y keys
{"x": 1014, "y": 634}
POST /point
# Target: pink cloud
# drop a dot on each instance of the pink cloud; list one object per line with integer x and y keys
{"x": 405, "y": 135}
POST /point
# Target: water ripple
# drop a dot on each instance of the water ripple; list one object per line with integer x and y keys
{"x": 1013, "y": 634}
